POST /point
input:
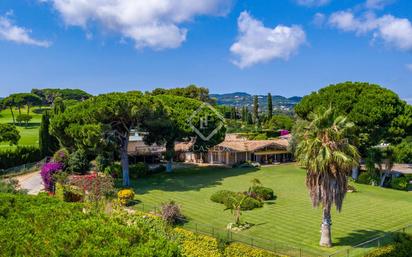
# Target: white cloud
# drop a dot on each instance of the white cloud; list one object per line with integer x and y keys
{"x": 313, "y": 3}
{"x": 149, "y": 23}
{"x": 409, "y": 66}
{"x": 396, "y": 32}
{"x": 14, "y": 33}
{"x": 377, "y": 4}
{"x": 258, "y": 44}
{"x": 319, "y": 19}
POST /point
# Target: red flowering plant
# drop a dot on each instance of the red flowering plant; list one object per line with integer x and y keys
{"x": 47, "y": 172}
{"x": 94, "y": 186}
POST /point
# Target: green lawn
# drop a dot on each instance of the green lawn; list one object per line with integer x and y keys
{"x": 30, "y": 134}
{"x": 290, "y": 219}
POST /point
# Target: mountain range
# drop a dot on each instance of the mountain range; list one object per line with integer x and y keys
{"x": 239, "y": 99}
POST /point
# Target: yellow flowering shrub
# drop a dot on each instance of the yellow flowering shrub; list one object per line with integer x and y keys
{"x": 238, "y": 249}
{"x": 124, "y": 196}
{"x": 197, "y": 245}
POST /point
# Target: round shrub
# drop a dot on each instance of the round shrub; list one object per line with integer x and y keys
{"x": 125, "y": 196}
{"x": 61, "y": 156}
{"x": 367, "y": 179}
{"x": 138, "y": 170}
{"x": 401, "y": 183}
{"x": 248, "y": 203}
{"x": 171, "y": 212}
{"x": 114, "y": 170}
{"x": 78, "y": 162}
{"x": 221, "y": 196}
{"x": 263, "y": 193}
{"x": 102, "y": 162}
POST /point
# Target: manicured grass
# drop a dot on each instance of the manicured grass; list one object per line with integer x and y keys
{"x": 30, "y": 134}
{"x": 290, "y": 219}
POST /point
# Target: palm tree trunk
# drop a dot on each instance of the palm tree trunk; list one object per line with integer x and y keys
{"x": 169, "y": 155}
{"x": 326, "y": 238}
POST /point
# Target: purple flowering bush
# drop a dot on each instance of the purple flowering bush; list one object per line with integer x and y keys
{"x": 47, "y": 172}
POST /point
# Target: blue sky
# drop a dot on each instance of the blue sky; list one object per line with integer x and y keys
{"x": 286, "y": 47}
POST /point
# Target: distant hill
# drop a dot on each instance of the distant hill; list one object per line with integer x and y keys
{"x": 239, "y": 99}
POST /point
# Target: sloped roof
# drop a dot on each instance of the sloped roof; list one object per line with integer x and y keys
{"x": 253, "y": 145}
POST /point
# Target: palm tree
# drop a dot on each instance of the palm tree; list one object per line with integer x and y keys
{"x": 325, "y": 151}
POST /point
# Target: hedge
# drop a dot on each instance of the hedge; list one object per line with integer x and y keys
{"x": 402, "y": 247}
{"x": 21, "y": 155}
{"x": 228, "y": 197}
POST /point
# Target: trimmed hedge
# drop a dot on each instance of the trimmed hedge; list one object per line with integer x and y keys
{"x": 263, "y": 193}
{"x": 21, "y": 155}
{"x": 195, "y": 245}
{"x": 402, "y": 247}
{"x": 228, "y": 197}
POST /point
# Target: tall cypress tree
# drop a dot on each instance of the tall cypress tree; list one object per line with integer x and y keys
{"x": 270, "y": 106}
{"x": 256, "y": 109}
{"x": 48, "y": 144}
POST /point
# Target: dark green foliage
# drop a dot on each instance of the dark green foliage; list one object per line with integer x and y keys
{"x": 114, "y": 170}
{"x": 378, "y": 113}
{"x": 270, "y": 107}
{"x": 138, "y": 170}
{"x": 26, "y": 118}
{"x": 192, "y": 91}
{"x": 9, "y": 133}
{"x": 18, "y": 156}
{"x": 228, "y": 198}
{"x": 58, "y": 106}
{"x": 401, "y": 183}
{"x": 70, "y": 232}
{"x": 402, "y": 247}
{"x": 255, "y": 109}
{"x": 102, "y": 161}
{"x": 62, "y": 156}
{"x": 48, "y": 144}
{"x": 403, "y": 151}
{"x": 78, "y": 162}
{"x": 48, "y": 95}
{"x": 280, "y": 121}
{"x": 367, "y": 178}
{"x": 263, "y": 193}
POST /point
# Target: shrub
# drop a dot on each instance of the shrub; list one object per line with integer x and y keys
{"x": 78, "y": 162}
{"x": 238, "y": 249}
{"x": 138, "y": 170}
{"x": 401, "y": 183}
{"x": 47, "y": 172}
{"x": 402, "y": 247}
{"x": 197, "y": 245}
{"x": 11, "y": 186}
{"x": 125, "y": 196}
{"x": 228, "y": 198}
{"x": 21, "y": 155}
{"x": 248, "y": 204}
{"x": 102, "y": 162}
{"x": 171, "y": 212}
{"x": 367, "y": 178}
{"x": 114, "y": 170}
{"x": 56, "y": 228}
{"x": 261, "y": 136}
{"x": 62, "y": 157}
{"x": 221, "y": 196}
{"x": 94, "y": 187}
{"x": 263, "y": 193}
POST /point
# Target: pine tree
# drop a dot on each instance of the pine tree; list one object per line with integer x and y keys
{"x": 270, "y": 106}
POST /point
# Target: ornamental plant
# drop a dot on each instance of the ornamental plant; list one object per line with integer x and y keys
{"x": 62, "y": 157}
{"x": 95, "y": 187}
{"x": 47, "y": 172}
{"x": 125, "y": 196}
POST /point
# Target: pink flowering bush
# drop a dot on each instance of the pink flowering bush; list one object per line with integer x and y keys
{"x": 47, "y": 172}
